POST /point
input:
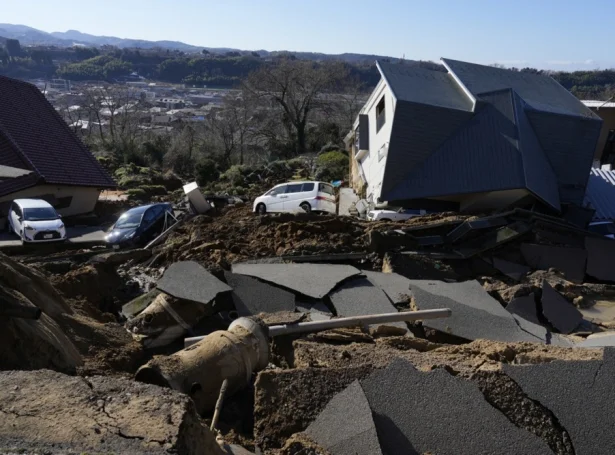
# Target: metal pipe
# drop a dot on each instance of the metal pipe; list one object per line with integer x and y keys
{"x": 317, "y": 326}
{"x": 214, "y": 420}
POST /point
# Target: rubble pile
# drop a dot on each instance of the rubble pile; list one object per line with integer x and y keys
{"x": 528, "y": 296}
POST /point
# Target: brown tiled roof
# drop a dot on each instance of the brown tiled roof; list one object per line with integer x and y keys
{"x": 33, "y": 136}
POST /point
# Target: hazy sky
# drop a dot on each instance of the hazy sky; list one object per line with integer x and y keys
{"x": 556, "y": 34}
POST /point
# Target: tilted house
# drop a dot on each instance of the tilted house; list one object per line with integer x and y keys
{"x": 470, "y": 138}
{"x": 41, "y": 157}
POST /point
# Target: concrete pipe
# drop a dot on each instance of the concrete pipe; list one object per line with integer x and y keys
{"x": 200, "y": 369}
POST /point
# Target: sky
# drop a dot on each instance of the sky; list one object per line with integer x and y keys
{"x": 548, "y": 34}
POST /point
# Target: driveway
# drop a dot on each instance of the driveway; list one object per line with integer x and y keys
{"x": 82, "y": 235}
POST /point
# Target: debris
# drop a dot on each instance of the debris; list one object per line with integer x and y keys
{"x": 200, "y": 369}
{"x": 196, "y": 198}
{"x": 511, "y": 269}
{"x": 341, "y": 435}
{"x": 570, "y": 261}
{"x": 579, "y": 394}
{"x": 121, "y": 257}
{"x": 396, "y": 287}
{"x": 525, "y": 307}
{"x": 475, "y": 314}
{"x": 135, "y": 306}
{"x": 190, "y": 281}
{"x": 443, "y": 407}
{"x": 97, "y": 414}
{"x": 311, "y": 280}
{"x": 358, "y": 297}
{"x": 560, "y": 313}
{"x": 252, "y": 297}
{"x": 600, "y": 253}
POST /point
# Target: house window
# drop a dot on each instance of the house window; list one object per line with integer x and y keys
{"x": 380, "y": 119}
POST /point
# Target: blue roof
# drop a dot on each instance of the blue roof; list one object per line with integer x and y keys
{"x": 600, "y": 194}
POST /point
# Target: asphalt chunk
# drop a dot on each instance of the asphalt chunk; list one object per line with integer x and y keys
{"x": 600, "y": 253}
{"x": 562, "y": 314}
{"x": 252, "y": 296}
{"x": 598, "y": 340}
{"x": 346, "y": 426}
{"x": 525, "y": 307}
{"x": 475, "y": 314}
{"x": 396, "y": 287}
{"x": 543, "y": 333}
{"x": 418, "y": 413}
{"x": 190, "y": 281}
{"x": 311, "y": 280}
{"x": 359, "y": 297}
{"x": 579, "y": 393}
{"x": 511, "y": 269}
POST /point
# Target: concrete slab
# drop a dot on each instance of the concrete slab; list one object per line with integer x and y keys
{"x": 525, "y": 307}
{"x": 562, "y": 314}
{"x": 418, "y": 413}
{"x": 347, "y": 199}
{"x": 252, "y": 297}
{"x": 511, "y": 269}
{"x": 396, "y": 287}
{"x": 570, "y": 261}
{"x": 358, "y": 297}
{"x": 598, "y": 340}
{"x": 190, "y": 281}
{"x": 600, "y": 254}
{"x": 345, "y": 426}
{"x": 311, "y": 280}
{"x": 475, "y": 314}
{"x": 579, "y": 393}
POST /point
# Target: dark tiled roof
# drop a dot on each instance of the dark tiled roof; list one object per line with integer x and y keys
{"x": 33, "y": 136}
{"x": 540, "y": 92}
{"x": 424, "y": 86}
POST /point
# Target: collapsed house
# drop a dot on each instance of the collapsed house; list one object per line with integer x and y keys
{"x": 41, "y": 156}
{"x": 471, "y": 138}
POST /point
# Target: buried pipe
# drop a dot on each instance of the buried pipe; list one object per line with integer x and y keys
{"x": 317, "y": 326}
{"x": 233, "y": 355}
{"x": 219, "y": 403}
{"x": 200, "y": 370}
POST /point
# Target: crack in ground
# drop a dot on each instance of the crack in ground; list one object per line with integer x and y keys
{"x": 600, "y": 365}
{"x": 505, "y": 395}
{"x": 119, "y": 431}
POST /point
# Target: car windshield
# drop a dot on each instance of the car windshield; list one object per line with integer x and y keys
{"x": 129, "y": 220}
{"x": 40, "y": 214}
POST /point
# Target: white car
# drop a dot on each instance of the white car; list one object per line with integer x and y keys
{"x": 393, "y": 215}
{"x": 35, "y": 220}
{"x": 294, "y": 196}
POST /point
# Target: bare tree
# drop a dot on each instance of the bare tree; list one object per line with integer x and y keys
{"x": 297, "y": 87}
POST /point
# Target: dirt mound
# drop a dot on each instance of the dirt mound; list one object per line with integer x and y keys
{"x": 238, "y": 235}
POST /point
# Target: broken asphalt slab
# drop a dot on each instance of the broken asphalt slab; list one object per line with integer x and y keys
{"x": 598, "y": 340}
{"x": 396, "y": 287}
{"x": 96, "y": 415}
{"x": 580, "y": 394}
{"x": 435, "y": 412}
{"x": 252, "y": 296}
{"x": 570, "y": 261}
{"x": 317, "y": 310}
{"x": 190, "y": 281}
{"x": 543, "y": 333}
{"x": 311, "y": 280}
{"x": 525, "y": 307}
{"x": 600, "y": 254}
{"x": 562, "y": 314}
{"x": 475, "y": 314}
{"x": 359, "y": 297}
{"x": 341, "y": 435}
{"x": 511, "y": 269}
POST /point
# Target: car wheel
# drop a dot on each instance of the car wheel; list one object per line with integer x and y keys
{"x": 261, "y": 209}
{"x": 307, "y": 208}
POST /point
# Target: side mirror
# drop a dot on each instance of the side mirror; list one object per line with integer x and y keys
{"x": 59, "y": 216}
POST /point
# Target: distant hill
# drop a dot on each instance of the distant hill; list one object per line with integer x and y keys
{"x": 29, "y": 36}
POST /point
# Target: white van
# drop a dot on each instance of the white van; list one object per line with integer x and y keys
{"x": 292, "y": 196}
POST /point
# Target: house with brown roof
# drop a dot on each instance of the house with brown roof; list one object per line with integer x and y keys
{"x": 41, "y": 156}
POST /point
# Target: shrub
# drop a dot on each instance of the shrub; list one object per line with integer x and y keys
{"x": 207, "y": 171}
{"x": 153, "y": 190}
{"x": 234, "y": 175}
{"x": 332, "y": 166}
{"x": 136, "y": 194}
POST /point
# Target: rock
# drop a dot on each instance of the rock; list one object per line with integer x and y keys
{"x": 121, "y": 257}
{"x": 97, "y": 414}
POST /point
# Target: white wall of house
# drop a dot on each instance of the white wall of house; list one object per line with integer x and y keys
{"x": 373, "y": 163}
{"x": 83, "y": 198}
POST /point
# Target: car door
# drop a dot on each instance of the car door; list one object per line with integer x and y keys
{"x": 145, "y": 229}
{"x": 275, "y": 199}
{"x": 293, "y": 197}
